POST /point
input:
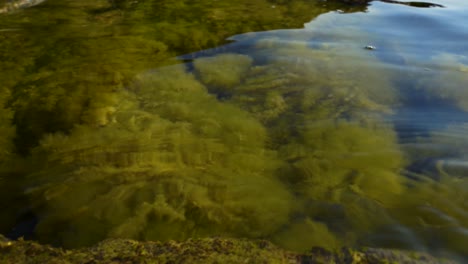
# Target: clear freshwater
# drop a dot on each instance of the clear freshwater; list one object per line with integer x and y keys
{"x": 307, "y": 123}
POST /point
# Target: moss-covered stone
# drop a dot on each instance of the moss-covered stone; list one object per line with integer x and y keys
{"x": 209, "y": 250}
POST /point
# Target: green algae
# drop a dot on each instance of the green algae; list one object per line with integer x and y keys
{"x": 447, "y": 157}
{"x": 11, "y": 165}
{"x": 448, "y": 84}
{"x": 344, "y": 176}
{"x": 172, "y": 164}
{"x": 61, "y": 62}
{"x": 437, "y": 201}
{"x": 305, "y": 234}
{"x": 296, "y": 149}
{"x": 343, "y": 161}
{"x": 225, "y": 70}
{"x": 67, "y": 77}
{"x": 327, "y": 70}
{"x": 68, "y": 71}
{"x": 436, "y": 211}
{"x": 350, "y": 153}
{"x": 7, "y": 130}
{"x": 182, "y": 151}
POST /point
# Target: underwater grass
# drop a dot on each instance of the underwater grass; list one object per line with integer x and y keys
{"x": 174, "y": 163}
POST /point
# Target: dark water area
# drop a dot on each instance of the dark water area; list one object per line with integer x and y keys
{"x": 307, "y": 123}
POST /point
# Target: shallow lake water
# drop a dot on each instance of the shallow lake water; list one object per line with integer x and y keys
{"x": 307, "y": 123}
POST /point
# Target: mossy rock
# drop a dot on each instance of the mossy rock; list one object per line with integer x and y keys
{"x": 208, "y": 250}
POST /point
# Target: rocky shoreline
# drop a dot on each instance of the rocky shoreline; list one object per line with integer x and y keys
{"x": 207, "y": 250}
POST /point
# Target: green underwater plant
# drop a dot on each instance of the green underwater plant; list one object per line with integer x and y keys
{"x": 280, "y": 76}
{"x": 442, "y": 153}
{"x": 449, "y": 81}
{"x": 436, "y": 210}
{"x": 189, "y": 26}
{"x": 334, "y": 156}
{"x": 224, "y": 70}
{"x": 346, "y": 174}
{"x": 305, "y": 234}
{"x": 347, "y": 76}
{"x": 171, "y": 163}
{"x": 7, "y": 130}
{"x": 267, "y": 92}
{"x": 17, "y": 53}
{"x": 11, "y": 167}
{"x": 70, "y": 83}
{"x": 343, "y": 158}
{"x": 82, "y": 50}
{"x": 453, "y": 157}
{"x": 325, "y": 117}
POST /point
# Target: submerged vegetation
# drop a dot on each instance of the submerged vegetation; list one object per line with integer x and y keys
{"x": 453, "y": 77}
{"x": 108, "y": 135}
{"x": 179, "y": 163}
{"x": 6, "y": 129}
{"x": 98, "y": 46}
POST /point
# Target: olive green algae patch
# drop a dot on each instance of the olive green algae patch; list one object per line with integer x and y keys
{"x": 10, "y": 164}
{"x": 209, "y": 250}
{"x": 326, "y": 119}
{"x": 279, "y": 77}
{"x": 61, "y": 57}
{"x": 448, "y": 79}
{"x": 441, "y": 219}
{"x": 225, "y": 70}
{"x": 67, "y": 63}
{"x": 7, "y": 129}
{"x": 363, "y": 157}
{"x": 170, "y": 163}
{"x": 448, "y": 158}
{"x": 347, "y": 75}
{"x": 436, "y": 205}
{"x": 346, "y": 175}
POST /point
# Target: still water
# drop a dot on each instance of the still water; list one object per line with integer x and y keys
{"x": 307, "y": 123}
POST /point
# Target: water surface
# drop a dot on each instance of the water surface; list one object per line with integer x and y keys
{"x": 307, "y": 123}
